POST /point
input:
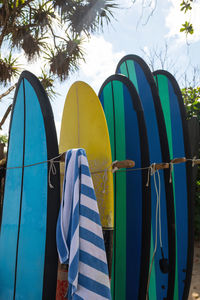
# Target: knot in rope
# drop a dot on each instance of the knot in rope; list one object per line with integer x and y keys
{"x": 151, "y": 171}
{"x": 52, "y": 169}
{"x": 171, "y": 166}
{"x": 193, "y": 161}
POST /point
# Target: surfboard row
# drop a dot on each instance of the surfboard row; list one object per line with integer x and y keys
{"x": 153, "y": 237}
{"x": 151, "y": 214}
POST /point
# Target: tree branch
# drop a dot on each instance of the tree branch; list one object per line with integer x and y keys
{"x": 3, "y": 32}
{"x": 5, "y": 115}
{"x": 56, "y": 36}
{"x": 8, "y": 91}
{"x": 25, "y": 4}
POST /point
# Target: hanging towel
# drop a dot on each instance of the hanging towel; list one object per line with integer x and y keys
{"x": 79, "y": 234}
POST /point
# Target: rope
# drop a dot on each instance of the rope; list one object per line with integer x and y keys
{"x": 151, "y": 171}
{"x": 193, "y": 160}
{"x": 52, "y": 168}
{"x": 35, "y": 164}
{"x": 171, "y": 165}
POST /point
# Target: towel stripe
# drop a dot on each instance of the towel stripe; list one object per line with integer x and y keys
{"x": 93, "y": 285}
{"x": 90, "y": 214}
{"x": 89, "y": 225}
{"x": 91, "y": 237}
{"x": 93, "y": 262}
{"x": 63, "y": 253}
{"x": 102, "y": 278}
{"x": 75, "y": 243}
{"x": 85, "y": 170}
{"x": 87, "y": 181}
{"x": 91, "y": 249}
{"x": 73, "y": 267}
{"x": 76, "y": 297}
{"x": 86, "y": 190}
{"x": 89, "y": 295}
{"x": 75, "y": 222}
{"x": 86, "y": 201}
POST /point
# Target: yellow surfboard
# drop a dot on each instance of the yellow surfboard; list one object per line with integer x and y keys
{"x": 84, "y": 126}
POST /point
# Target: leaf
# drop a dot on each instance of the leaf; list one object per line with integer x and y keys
{"x": 186, "y": 5}
{"x": 187, "y": 27}
{"x": 18, "y": 3}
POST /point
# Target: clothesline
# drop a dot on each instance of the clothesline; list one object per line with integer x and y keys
{"x": 113, "y": 169}
{"x": 116, "y": 166}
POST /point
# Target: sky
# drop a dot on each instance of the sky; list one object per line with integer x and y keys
{"x": 132, "y": 32}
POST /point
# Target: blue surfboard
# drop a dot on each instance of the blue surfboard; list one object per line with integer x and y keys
{"x": 177, "y": 133}
{"x": 28, "y": 256}
{"x": 163, "y": 271}
{"x": 132, "y": 204}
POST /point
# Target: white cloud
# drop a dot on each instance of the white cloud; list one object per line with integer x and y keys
{"x": 34, "y": 66}
{"x": 58, "y": 126}
{"x": 100, "y": 61}
{"x": 176, "y": 18}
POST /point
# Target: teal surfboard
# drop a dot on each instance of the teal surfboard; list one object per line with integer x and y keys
{"x": 177, "y": 133}
{"x": 132, "y": 200}
{"x": 28, "y": 256}
{"x": 162, "y": 275}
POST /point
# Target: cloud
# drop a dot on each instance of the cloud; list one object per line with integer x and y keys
{"x": 176, "y": 18}
{"x": 100, "y": 61}
{"x": 58, "y": 127}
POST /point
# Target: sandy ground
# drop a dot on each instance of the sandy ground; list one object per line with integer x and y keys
{"x": 195, "y": 285}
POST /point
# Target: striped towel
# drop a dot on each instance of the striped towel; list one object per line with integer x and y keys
{"x": 79, "y": 235}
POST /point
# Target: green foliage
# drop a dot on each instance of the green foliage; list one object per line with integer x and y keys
{"x": 191, "y": 97}
{"x": 186, "y": 5}
{"x": 48, "y": 84}
{"x": 86, "y": 16}
{"x": 65, "y": 58}
{"x": 51, "y": 27}
{"x": 3, "y": 139}
{"x": 187, "y": 28}
{"x": 8, "y": 68}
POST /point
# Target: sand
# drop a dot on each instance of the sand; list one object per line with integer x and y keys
{"x": 195, "y": 284}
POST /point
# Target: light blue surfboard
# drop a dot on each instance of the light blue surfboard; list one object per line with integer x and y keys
{"x": 28, "y": 256}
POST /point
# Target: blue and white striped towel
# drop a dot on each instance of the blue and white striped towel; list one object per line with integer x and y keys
{"x": 79, "y": 233}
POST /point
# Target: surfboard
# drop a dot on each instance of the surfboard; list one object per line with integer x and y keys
{"x": 161, "y": 280}
{"x": 132, "y": 204}
{"x": 84, "y": 126}
{"x": 28, "y": 255}
{"x": 177, "y": 133}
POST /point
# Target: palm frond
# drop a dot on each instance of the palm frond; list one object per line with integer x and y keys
{"x": 65, "y": 58}
{"x": 33, "y": 44}
{"x": 47, "y": 81}
{"x": 88, "y": 16}
{"x": 43, "y": 14}
{"x": 8, "y": 69}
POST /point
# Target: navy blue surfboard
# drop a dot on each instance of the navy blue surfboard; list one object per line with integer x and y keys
{"x": 28, "y": 256}
{"x": 132, "y": 204}
{"x": 163, "y": 271}
{"x": 177, "y": 133}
